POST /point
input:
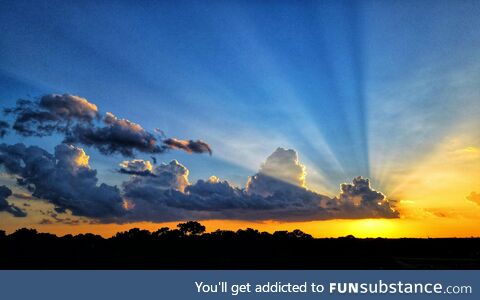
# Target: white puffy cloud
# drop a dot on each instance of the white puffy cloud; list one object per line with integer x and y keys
{"x": 136, "y": 167}
{"x": 281, "y": 169}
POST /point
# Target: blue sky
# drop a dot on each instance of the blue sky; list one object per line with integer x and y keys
{"x": 352, "y": 86}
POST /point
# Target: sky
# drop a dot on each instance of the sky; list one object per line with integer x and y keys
{"x": 293, "y": 98}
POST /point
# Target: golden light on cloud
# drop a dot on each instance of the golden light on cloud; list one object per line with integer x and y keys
{"x": 127, "y": 204}
{"x": 137, "y": 165}
{"x": 85, "y": 103}
{"x": 82, "y": 160}
{"x": 213, "y": 179}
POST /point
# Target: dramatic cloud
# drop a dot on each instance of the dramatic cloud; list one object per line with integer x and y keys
{"x": 474, "y": 197}
{"x": 117, "y": 136}
{"x": 225, "y": 201}
{"x": 3, "y": 128}
{"x": 71, "y": 158}
{"x": 5, "y": 192}
{"x": 147, "y": 197}
{"x": 163, "y": 192}
{"x": 276, "y": 192}
{"x": 281, "y": 167}
{"x": 54, "y": 218}
{"x": 358, "y": 198}
{"x": 52, "y": 113}
{"x": 65, "y": 179}
{"x": 163, "y": 177}
{"x": 80, "y": 123}
{"x": 136, "y": 167}
{"x": 188, "y": 146}
{"x": 69, "y": 107}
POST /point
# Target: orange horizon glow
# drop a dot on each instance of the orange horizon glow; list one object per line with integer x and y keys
{"x": 437, "y": 227}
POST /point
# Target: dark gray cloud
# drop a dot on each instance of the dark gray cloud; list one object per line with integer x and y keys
{"x": 69, "y": 107}
{"x": 358, "y": 198}
{"x": 219, "y": 200}
{"x": 54, "y": 218}
{"x": 225, "y": 201}
{"x": 64, "y": 179}
{"x": 80, "y": 123}
{"x": 51, "y": 113}
{"x": 188, "y": 146}
{"x": 117, "y": 136}
{"x": 4, "y": 126}
{"x": 276, "y": 192}
{"x": 15, "y": 211}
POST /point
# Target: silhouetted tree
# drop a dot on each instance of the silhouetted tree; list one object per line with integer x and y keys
{"x": 160, "y": 232}
{"x": 248, "y": 233}
{"x": 191, "y": 228}
{"x": 89, "y": 239}
{"x": 297, "y": 233}
{"x": 223, "y": 234}
{"x": 24, "y": 234}
{"x": 173, "y": 234}
{"x": 281, "y": 234}
{"x": 224, "y": 249}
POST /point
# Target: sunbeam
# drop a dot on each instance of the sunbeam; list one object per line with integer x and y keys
{"x": 386, "y": 91}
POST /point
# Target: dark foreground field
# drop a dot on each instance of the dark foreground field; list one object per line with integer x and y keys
{"x": 189, "y": 248}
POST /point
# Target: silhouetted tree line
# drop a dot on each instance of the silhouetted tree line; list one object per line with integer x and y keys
{"x": 189, "y": 246}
